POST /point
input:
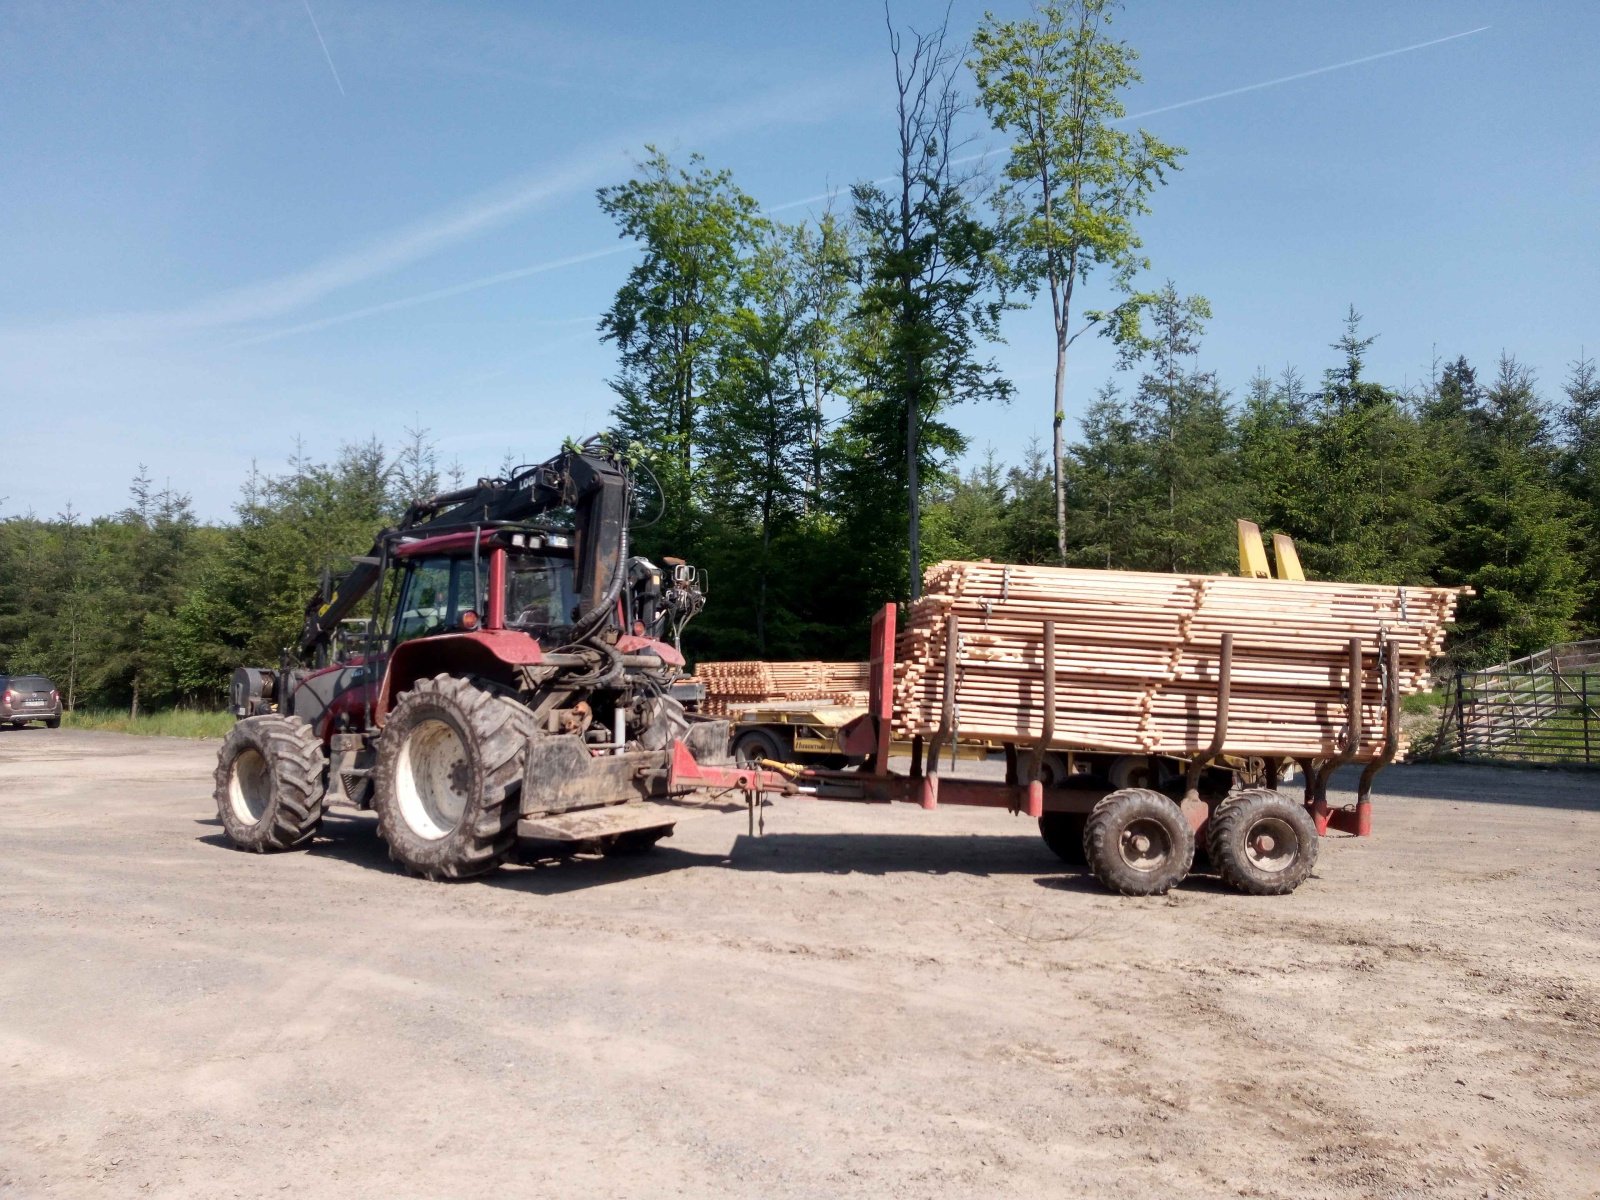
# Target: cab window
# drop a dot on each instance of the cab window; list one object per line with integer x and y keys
{"x": 437, "y": 592}
{"x": 540, "y": 595}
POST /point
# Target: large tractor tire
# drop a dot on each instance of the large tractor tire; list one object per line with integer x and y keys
{"x": 269, "y": 784}
{"x": 1262, "y": 843}
{"x": 1138, "y": 843}
{"x": 448, "y": 781}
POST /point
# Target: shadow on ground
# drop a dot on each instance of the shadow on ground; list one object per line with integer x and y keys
{"x": 545, "y": 869}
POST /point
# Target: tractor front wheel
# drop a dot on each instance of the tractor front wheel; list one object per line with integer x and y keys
{"x": 448, "y": 783}
{"x": 269, "y": 784}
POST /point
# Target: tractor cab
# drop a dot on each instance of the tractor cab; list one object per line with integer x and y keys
{"x": 521, "y": 581}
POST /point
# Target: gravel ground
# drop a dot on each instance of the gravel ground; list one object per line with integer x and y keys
{"x": 864, "y": 1002}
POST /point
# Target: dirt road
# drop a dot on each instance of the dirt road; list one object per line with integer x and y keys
{"x": 865, "y": 1002}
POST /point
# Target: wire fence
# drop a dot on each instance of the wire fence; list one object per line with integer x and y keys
{"x": 1544, "y": 708}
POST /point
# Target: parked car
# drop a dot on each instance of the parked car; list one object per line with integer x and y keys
{"x": 25, "y": 698}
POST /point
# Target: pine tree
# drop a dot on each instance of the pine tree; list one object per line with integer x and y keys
{"x": 1580, "y": 475}
{"x": 1517, "y": 528}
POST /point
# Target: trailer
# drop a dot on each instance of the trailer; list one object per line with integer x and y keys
{"x": 1137, "y": 841}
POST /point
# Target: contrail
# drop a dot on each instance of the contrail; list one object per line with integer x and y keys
{"x": 473, "y": 285}
{"x": 1165, "y": 108}
{"x": 1256, "y": 87}
{"x": 317, "y": 29}
{"x": 443, "y": 293}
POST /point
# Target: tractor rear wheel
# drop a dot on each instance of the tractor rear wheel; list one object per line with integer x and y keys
{"x": 448, "y": 781}
{"x": 1262, "y": 843}
{"x": 1138, "y": 842}
{"x": 269, "y": 784}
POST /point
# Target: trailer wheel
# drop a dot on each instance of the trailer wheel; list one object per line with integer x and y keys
{"x": 269, "y": 788}
{"x": 1262, "y": 843}
{"x": 755, "y": 744}
{"x": 448, "y": 781}
{"x": 1138, "y": 842}
{"x": 1063, "y": 833}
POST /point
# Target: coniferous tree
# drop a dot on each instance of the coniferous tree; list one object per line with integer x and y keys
{"x": 1580, "y": 475}
{"x": 1517, "y": 528}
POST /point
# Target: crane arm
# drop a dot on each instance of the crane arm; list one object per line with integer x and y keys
{"x": 590, "y": 479}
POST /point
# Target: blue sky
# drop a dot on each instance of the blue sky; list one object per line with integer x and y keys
{"x": 215, "y": 238}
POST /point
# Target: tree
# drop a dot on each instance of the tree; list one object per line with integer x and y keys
{"x": 759, "y": 408}
{"x": 1053, "y": 84}
{"x": 1580, "y": 471}
{"x": 416, "y": 468}
{"x": 1529, "y": 580}
{"x": 821, "y": 262}
{"x": 930, "y": 270}
{"x": 670, "y": 315}
{"x": 1189, "y": 492}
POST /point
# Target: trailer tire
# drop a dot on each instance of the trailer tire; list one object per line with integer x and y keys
{"x": 448, "y": 780}
{"x": 1138, "y": 842}
{"x": 755, "y": 744}
{"x": 1262, "y": 843}
{"x": 269, "y": 788}
{"x": 1063, "y": 833}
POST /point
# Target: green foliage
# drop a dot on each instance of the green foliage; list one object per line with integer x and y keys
{"x": 1075, "y": 181}
{"x": 930, "y": 272}
{"x": 1516, "y": 526}
{"x": 669, "y": 319}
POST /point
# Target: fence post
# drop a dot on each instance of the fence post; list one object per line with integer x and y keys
{"x": 1587, "y": 757}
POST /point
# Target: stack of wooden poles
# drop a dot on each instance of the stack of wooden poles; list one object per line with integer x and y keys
{"x": 731, "y": 684}
{"x": 1137, "y": 658}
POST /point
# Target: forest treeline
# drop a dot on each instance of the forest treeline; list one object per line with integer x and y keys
{"x": 792, "y": 385}
{"x": 1477, "y": 480}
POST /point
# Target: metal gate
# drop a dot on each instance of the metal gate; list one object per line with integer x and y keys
{"x": 1543, "y": 708}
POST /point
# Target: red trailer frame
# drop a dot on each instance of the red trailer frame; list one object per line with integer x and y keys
{"x": 1022, "y": 791}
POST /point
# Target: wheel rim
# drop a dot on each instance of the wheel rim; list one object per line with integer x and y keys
{"x": 1271, "y": 845}
{"x": 1145, "y": 845}
{"x": 433, "y": 780}
{"x": 249, "y": 786}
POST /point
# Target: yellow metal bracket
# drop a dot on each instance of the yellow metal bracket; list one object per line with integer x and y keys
{"x": 1252, "y": 554}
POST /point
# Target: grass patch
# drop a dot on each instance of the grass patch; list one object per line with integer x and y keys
{"x": 1422, "y": 702}
{"x": 174, "y": 722}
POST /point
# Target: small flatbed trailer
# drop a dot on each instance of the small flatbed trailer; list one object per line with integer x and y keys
{"x": 806, "y": 733}
{"x": 1136, "y": 840}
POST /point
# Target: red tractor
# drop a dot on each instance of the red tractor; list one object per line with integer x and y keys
{"x": 516, "y": 663}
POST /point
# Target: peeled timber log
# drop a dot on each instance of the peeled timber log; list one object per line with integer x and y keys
{"x": 1137, "y": 658}
{"x": 730, "y": 684}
